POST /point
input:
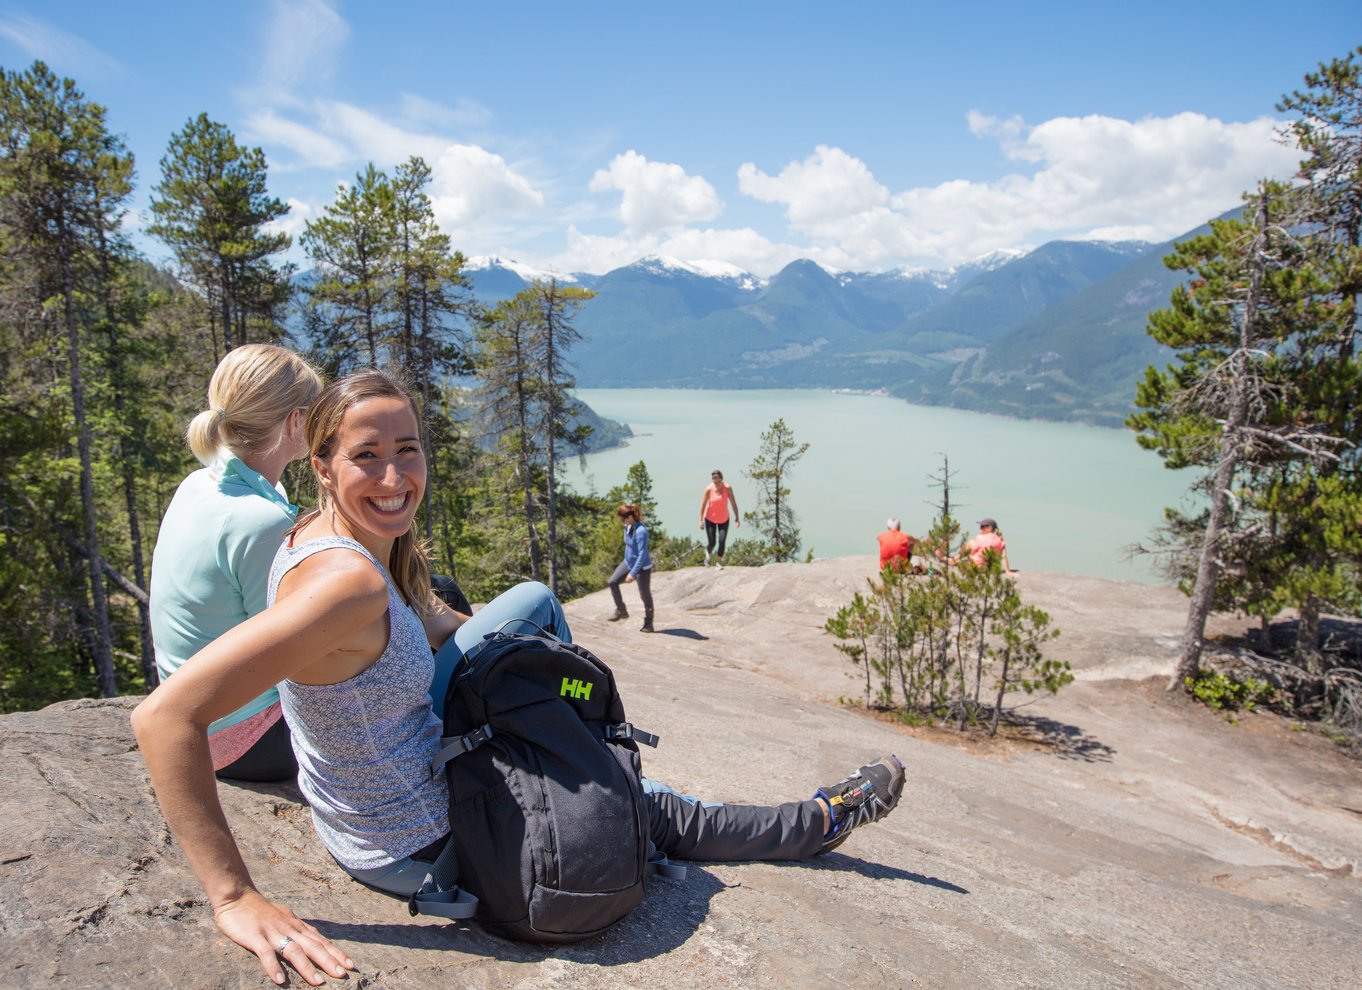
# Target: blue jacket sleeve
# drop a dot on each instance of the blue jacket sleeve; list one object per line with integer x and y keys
{"x": 641, "y": 557}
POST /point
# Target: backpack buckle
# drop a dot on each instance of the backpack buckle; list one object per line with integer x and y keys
{"x": 470, "y": 741}
{"x": 626, "y": 730}
{"x": 452, "y": 747}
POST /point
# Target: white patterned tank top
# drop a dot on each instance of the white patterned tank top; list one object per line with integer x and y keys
{"x": 364, "y": 746}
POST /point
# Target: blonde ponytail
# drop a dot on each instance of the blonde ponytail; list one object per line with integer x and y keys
{"x": 253, "y": 390}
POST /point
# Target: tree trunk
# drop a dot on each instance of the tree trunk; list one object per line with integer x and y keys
{"x": 102, "y": 640}
{"x": 1208, "y": 570}
{"x": 1002, "y": 690}
{"x": 526, "y": 466}
{"x": 424, "y": 370}
{"x": 1307, "y": 637}
{"x": 228, "y": 342}
{"x": 551, "y": 464}
{"x": 1208, "y": 566}
{"x": 150, "y": 675}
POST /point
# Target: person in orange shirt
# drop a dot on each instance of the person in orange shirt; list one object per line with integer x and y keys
{"x": 988, "y": 540}
{"x": 714, "y": 505}
{"x": 896, "y": 547}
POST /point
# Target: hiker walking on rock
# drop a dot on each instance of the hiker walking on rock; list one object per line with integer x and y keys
{"x": 714, "y": 505}
{"x": 636, "y": 568}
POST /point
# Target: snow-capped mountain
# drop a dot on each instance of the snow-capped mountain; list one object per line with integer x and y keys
{"x": 664, "y": 322}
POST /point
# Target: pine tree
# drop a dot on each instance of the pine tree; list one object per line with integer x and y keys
{"x": 509, "y": 391}
{"x": 64, "y": 180}
{"x": 1327, "y": 569}
{"x": 429, "y": 305}
{"x": 352, "y": 251}
{"x": 1218, "y": 404}
{"x": 556, "y": 307}
{"x": 212, "y": 209}
{"x": 773, "y": 516}
{"x": 1264, "y": 396}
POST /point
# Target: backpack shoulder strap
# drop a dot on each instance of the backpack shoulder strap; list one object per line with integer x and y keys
{"x": 440, "y": 894}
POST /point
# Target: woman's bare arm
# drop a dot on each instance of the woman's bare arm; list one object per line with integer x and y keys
{"x": 327, "y": 607}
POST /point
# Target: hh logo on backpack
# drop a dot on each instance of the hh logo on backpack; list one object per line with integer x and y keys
{"x": 573, "y": 688}
{"x": 547, "y": 819}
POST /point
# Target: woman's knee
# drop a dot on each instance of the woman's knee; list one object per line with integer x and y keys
{"x": 531, "y": 589}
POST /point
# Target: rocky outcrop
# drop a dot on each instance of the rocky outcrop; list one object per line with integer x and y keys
{"x": 1150, "y": 845}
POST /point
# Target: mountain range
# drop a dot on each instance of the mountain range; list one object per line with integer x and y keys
{"x": 1054, "y": 333}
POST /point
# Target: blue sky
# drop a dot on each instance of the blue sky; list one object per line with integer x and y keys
{"x": 580, "y": 137}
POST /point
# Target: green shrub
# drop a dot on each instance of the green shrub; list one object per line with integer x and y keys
{"x": 1225, "y": 694}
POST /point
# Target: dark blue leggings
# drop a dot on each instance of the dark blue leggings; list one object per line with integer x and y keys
{"x": 720, "y": 530}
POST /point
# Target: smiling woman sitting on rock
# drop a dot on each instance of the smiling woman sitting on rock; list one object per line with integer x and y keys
{"x": 348, "y": 639}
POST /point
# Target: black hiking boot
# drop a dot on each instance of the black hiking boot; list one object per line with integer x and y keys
{"x": 867, "y": 795}
{"x": 619, "y": 614}
{"x": 647, "y": 623}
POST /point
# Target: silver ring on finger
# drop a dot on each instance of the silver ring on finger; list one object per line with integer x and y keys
{"x": 283, "y": 944}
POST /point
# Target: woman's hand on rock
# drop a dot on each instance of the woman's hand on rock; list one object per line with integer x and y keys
{"x": 271, "y": 931}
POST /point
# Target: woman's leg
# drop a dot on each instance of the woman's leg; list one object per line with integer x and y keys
{"x": 685, "y": 827}
{"x": 529, "y": 607}
{"x": 723, "y": 538}
{"x": 621, "y": 572}
{"x": 645, "y": 591}
{"x": 711, "y": 531}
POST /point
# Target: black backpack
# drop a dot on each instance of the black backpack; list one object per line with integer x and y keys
{"x": 549, "y": 832}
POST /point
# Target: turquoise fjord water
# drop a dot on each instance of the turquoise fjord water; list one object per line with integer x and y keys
{"x": 1067, "y": 497}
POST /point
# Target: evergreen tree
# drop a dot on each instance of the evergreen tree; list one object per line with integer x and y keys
{"x": 556, "y": 307}
{"x": 1264, "y": 396}
{"x": 1327, "y": 493}
{"x": 212, "y": 209}
{"x": 952, "y": 645}
{"x": 430, "y": 305}
{"x": 509, "y": 390}
{"x": 773, "y": 516}
{"x": 352, "y": 251}
{"x": 64, "y": 180}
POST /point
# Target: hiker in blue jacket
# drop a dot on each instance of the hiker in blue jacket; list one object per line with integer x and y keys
{"x": 637, "y": 566}
{"x": 350, "y": 647}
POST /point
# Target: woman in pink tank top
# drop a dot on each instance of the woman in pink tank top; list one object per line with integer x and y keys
{"x": 714, "y": 505}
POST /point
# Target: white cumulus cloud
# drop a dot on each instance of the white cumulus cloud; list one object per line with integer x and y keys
{"x": 1098, "y": 176}
{"x": 1076, "y": 177}
{"x": 469, "y": 183}
{"x": 656, "y": 196}
{"x": 308, "y": 145}
{"x": 293, "y": 222}
{"x": 820, "y": 192}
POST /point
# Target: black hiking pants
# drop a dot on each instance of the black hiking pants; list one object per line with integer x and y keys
{"x": 684, "y": 827}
